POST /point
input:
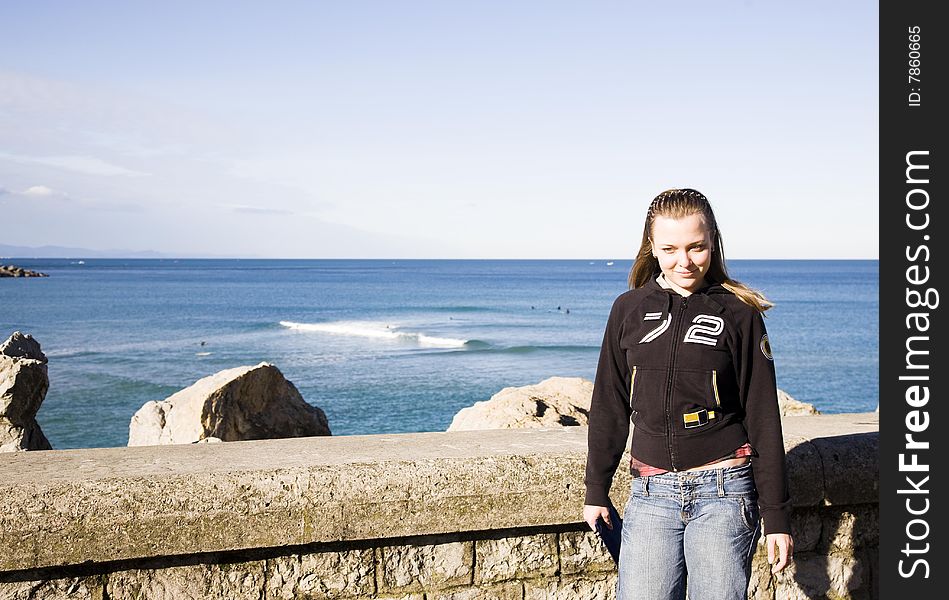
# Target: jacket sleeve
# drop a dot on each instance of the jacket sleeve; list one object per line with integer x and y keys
{"x": 609, "y": 413}
{"x": 759, "y": 396}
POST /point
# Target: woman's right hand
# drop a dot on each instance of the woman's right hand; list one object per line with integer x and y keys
{"x": 592, "y": 513}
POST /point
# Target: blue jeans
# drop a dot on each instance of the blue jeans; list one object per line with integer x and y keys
{"x": 695, "y": 528}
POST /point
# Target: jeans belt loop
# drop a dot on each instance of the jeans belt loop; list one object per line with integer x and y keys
{"x": 645, "y": 481}
{"x": 720, "y": 476}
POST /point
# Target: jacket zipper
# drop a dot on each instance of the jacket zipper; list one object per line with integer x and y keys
{"x": 718, "y": 401}
{"x": 672, "y": 364}
{"x": 632, "y": 382}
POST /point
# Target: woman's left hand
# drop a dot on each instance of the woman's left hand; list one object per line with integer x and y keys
{"x": 780, "y": 550}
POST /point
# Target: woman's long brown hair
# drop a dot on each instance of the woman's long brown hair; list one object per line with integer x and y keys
{"x": 676, "y": 204}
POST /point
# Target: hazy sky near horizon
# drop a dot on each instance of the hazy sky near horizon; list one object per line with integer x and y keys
{"x": 436, "y": 129}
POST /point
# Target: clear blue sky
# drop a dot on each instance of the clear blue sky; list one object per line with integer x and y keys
{"x": 436, "y": 129}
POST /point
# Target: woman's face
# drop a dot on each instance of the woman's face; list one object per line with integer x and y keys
{"x": 684, "y": 250}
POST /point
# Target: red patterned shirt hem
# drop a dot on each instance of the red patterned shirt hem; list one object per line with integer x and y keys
{"x": 641, "y": 469}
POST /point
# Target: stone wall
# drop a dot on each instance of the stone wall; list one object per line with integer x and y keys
{"x": 472, "y": 514}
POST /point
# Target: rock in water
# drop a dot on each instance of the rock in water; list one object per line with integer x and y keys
{"x": 23, "y": 385}
{"x": 15, "y": 271}
{"x": 552, "y": 402}
{"x": 557, "y": 401}
{"x": 244, "y": 403}
{"x": 790, "y": 406}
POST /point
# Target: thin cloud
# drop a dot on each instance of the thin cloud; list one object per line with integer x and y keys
{"x": 40, "y": 191}
{"x": 257, "y": 210}
{"x": 45, "y": 194}
{"x": 36, "y": 192}
{"x": 88, "y": 165}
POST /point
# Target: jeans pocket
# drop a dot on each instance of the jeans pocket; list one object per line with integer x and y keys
{"x": 750, "y": 514}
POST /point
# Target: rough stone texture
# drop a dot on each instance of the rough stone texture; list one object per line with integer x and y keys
{"x": 510, "y": 558}
{"x": 416, "y": 568}
{"x": 238, "y": 581}
{"x": 69, "y": 588}
{"x": 512, "y": 590}
{"x": 20, "y": 345}
{"x": 805, "y": 469}
{"x": 24, "y": 381}
{"x": 806, "y": 528}
{"x": 835, "y": 577}
{"x": 583, "y": 552}
{"x": 844, "y": 457}
{"x": 244, "y": 403}
{"x": 323, "y": 575}
{"x": 557, "y": 401}
{"x": 552, "y": 402}
{"x": 840, "y": 571}
{"x": 571, "y": 588}
{"x": 835, "y": 556}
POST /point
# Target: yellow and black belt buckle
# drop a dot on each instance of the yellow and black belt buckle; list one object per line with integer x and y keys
{"x": 697, "y": 418}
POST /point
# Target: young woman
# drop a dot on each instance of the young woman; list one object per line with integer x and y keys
{"x": 686, "y": 359}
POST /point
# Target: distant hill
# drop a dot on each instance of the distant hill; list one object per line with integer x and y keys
{"x": 66, "y": 252}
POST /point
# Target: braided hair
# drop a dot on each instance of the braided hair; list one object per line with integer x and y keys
{"x": 678, "y": 203}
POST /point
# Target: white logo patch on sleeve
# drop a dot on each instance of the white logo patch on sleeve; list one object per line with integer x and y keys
{"x": 765, "y": 346}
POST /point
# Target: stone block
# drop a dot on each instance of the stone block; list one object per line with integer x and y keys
{"x": 417, "y": 568}
{"x": 866, "y": 526}
{"x": 524, "y": 557}
{"x": 583, "y": 552}
{"x": 838, "y": 533}
{"x": 232, "y": 581}
{"x": 321, "y": 575}
{"x": 819, "y": 576}
{"x": 512, "y": 590}
{"x": 69, "y": 588}
{"x": 851, "y": 467}
{"x": 761, "y": 584}
{"x": 805, "y": 471}
{"x": 806, "y": 525}
{"x": 110, "y": 504}
{"x": 602, "y": 587}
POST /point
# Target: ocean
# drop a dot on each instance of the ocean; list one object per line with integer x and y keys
{"x": 389, "y": 346}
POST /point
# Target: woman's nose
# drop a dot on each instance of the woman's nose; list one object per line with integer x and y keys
{"x": 682, "y": 258}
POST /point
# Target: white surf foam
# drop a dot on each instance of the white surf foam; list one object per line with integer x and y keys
{"x": 375, "y": 329}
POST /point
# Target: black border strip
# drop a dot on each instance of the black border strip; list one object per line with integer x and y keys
{"x": 912, "y": 275}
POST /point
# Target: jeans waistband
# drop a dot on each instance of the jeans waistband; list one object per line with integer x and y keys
{"x": 737, "y": 479}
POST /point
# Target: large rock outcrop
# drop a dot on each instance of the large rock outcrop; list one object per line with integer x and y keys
{"x": 557, "y": 401}
{"x": 790, "y": 406}
{"x": 244, "y": 403}
{"x": 23, "y": 384}
{"x": 552, "y": 402}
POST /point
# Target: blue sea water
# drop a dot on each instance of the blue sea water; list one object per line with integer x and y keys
{"x": 385, "y": 346}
